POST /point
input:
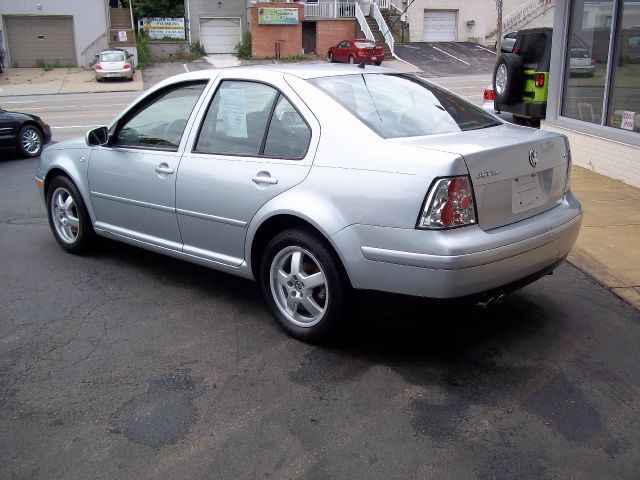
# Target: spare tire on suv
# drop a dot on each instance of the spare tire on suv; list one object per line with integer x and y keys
{"x": 508, "y": 78}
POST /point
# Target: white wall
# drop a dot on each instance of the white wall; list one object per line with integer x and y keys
{"x": 481, "y": 11}
{"x": 89, "y": 16}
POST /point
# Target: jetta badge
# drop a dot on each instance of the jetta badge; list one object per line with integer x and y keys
{"x": 533, "y": 158}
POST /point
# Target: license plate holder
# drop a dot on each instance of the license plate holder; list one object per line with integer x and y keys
{"x": 526, "y": 193}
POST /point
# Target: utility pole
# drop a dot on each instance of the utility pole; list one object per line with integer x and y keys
{"x": 499, "y": 28}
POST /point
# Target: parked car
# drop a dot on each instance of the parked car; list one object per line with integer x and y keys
{"x": 521, "y": 78}
{"x": 508, "y": 40}
{"x": 248, "y": 170}
{"x": 25, "y": 132}
{"x": 580, "y": 62}
{"x": 114, "y": 64}
{"x": 355, "y": 50}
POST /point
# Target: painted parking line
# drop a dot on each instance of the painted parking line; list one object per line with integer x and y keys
{"x": 186, "y": 69}
{"x": 485, "y": 48}
{"x": 452, "y": 56}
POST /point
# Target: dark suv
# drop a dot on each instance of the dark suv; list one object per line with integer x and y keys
{"x": 520, "y": 78}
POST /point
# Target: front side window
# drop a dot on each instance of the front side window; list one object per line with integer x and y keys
{"x": 252, "y": 119}
{"x": 403, "y": 105}
{"x": 160, "y": 124}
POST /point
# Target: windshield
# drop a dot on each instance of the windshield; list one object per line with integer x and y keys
{"x": 397, "y": 105}
{"x": 112, "y": 57}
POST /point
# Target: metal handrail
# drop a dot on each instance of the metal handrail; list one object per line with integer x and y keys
{"x": 362, "y": 21}
{"x": 521, "y": 12}
{"x": 382, "y": 25}
{"x": 94, "y": 48}
{"x": 399, "y": 10}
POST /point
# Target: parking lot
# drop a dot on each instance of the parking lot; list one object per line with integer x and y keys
{"x": 446, "y": 59}
{"x": 128, "y": 364}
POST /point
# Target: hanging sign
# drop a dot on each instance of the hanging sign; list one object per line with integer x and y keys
{"x": 277, "y": 16}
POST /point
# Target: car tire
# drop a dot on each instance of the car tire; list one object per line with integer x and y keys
{"x": 330, "y": 58}
{"x": 508, "y": 79}
{"x": 352, "y": 60}
{"x": 68, "y": 217}
{"x": 378, "y": 63}
{"x": 98, "y": 80}
{"x": 30, "y": 141}
{"x": 292, "y": 259}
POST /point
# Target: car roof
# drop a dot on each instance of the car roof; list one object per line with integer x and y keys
{"x": 302, "y": 70}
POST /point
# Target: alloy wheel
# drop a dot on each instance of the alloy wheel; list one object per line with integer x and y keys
{"x": 501, "y": 79}
{"x": 31, "y": 141}
{"x": 64, "y": 213}
{"x": 299, "y": 286}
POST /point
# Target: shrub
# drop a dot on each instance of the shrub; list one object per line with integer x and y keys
{"x": 244, "y": 47}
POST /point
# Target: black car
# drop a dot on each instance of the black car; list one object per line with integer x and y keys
{"x": 25, "y": 132}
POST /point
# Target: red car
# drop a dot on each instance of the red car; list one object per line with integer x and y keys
{"x": 354, "y": 50}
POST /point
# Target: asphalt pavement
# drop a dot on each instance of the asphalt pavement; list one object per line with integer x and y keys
{"x": 128, "y": 364}
{"x": 446, "y": 59}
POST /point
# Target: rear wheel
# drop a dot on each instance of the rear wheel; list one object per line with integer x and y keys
{"x": 378, "y": 63}
{"x": 304, "y": 284}
{"x": 68, "y": 216}
{"x": 330, "y": 58}
{"x": 508, "y": 77}
{"x": 30, "y": 141}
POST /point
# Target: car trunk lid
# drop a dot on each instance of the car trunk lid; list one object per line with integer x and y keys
{"x": 516, "y": 172}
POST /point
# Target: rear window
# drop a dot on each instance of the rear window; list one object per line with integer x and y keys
{"x": 532, "y": 47}
{"x": 112, "y": 57}
{"x": 365, "y": 44}
{"x": 403, "y": 105}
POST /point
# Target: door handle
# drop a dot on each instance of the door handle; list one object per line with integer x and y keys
{"x": 264, "y": 178}
{"x": 164, "y": 168}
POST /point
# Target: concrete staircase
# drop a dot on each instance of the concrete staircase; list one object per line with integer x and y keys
{"x": 377, "y": 34}
{"x": 121, "y": 31}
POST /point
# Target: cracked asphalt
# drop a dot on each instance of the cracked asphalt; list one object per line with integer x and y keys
{"x": 126, "y": 364}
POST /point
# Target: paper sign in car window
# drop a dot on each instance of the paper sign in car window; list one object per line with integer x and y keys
{"x": 234, "y": 117}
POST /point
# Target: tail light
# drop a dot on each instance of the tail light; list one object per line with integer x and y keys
{"x": 516, "y": 51}
{"x": 567, "y": 185}
{"x": 489, "y": 94}
{"x": 126, "y": 65}
{"x": 539, "y": 80}
{"x": 98, "y": 66}
{"x": 449, "y": 204}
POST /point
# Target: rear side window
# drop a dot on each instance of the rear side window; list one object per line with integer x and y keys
{"x": 403, "y": 105}
{"x": 252, "y": 119}
{"x": 532, "y": 47}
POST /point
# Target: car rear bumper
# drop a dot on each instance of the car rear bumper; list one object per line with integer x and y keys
{"x": 114, "y": 73}
{"x": 525, "y": 109}
{"x": 462, "y": 262}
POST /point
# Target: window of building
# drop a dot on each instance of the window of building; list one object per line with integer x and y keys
{"x": 624, "y": 103}
{"x": 602, "y": 80}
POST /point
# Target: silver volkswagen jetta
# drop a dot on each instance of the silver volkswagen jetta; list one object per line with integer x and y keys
{"x": 313, "y": 179}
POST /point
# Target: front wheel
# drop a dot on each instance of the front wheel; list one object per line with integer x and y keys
{"x": 351, "y": 59}
{"x": 68, "y": 216}
{"x": 304, "y": 284}
{"x": 30, "y": 141}
{"x": 330, "y": 58}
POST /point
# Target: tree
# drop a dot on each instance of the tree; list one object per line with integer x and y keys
{"x": 157, "y": 8}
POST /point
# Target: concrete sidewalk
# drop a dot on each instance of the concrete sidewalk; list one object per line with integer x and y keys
{"x": 608, "y": 247}
{"x": 37, "y": 81}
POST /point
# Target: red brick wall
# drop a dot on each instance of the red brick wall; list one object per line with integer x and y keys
{"x": 331, "y": 32}
{"x": 264, "y": 37}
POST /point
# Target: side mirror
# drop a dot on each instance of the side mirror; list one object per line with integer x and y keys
{"x": 97, "y": 136}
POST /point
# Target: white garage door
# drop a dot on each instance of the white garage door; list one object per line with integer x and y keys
{"x": 219, "y": 35}
{"x": 439, "y": 26}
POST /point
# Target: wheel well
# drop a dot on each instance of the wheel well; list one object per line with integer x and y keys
{"x": 31, "y": 124}
{"x": 277, "y": 224}
{"x": 53, "y": 173}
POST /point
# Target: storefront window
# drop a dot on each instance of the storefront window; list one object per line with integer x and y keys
{"x": 587, "y": 55}
{"x": 624, "y": 107}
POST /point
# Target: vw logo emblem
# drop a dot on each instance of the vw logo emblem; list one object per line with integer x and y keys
{"x": 533, "y": 158}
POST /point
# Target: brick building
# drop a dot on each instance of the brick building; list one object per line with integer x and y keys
{"x": 278, "y": 31}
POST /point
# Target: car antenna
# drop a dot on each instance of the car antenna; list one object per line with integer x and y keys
{"x": 362, "y": 63}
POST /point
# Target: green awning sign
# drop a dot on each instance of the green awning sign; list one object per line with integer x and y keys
{"x": 277, "y": 16}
